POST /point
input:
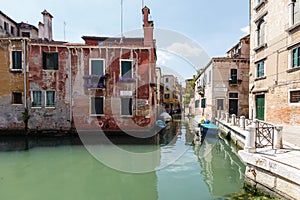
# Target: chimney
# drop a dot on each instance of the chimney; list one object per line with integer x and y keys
{"x": 45, "y": 31}
{"x": 148, "y": 28}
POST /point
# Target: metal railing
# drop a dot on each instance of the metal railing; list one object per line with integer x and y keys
{"x": 264, "y": 134}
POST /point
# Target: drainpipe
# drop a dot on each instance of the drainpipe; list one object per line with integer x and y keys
{"x": 136, "y": 81}
{"x": 24, "y": 44}
{"x": 71, "y": 87}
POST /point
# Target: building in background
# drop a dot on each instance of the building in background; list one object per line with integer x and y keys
{"x": 172, "y": 93}
{"x": 275, "y": 61}
{"x": 223, "y": 85}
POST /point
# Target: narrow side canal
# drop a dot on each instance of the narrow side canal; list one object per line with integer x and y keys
{"x": 209, "y": 171}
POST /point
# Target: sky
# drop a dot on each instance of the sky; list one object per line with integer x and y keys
{"x": 188, "y": 33}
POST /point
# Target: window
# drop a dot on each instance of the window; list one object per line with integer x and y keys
{"x": 296, "y": 57}
{"x": 167, "y": 80}
{"x": 12, "y": 30}
{"x": 50, "y": 60}
{"x": 97, "y": 66}
{"x": 295, "y": 96}
{"x": 261, "y": 32}
{"x": 16, "y": 60}
{"x": 220, "y": 104}
{"x": 6, "y": 26}
{"x": 234, "y": 95}
{"x": 26, "y": 34}
{"x": 233, "y": 76}
{"x": 260, "y": 66}
{"x": 97, "y": 106}
{"x": 50, "y": 99}
{"x": 36, "y": 98}
{"x": 209, "y": 77}
{"x": 167, "y": 96}
{"x": 126, "y": 69}
{"x": 197, "y": 103}
{"x": 296, "y": 12}
{"x": 203, "y": 103}
{"x": 126, "y": 106}
{"x": 17, "y": 98}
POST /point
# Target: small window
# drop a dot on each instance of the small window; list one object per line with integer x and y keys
{"x": 234, "y": 95}
{"x": 36, "y": 98}
{"x": 296, "y": 57}
{"x": 126, "y": 106}
{"x": 16, "y": 60}
{"x": 126, "y": 69}
{"x": 167, "y": 96}
{"x": 17, "y": 98}
{"x": 209, "y": 77}
{"x": 296, "y": 12}
{"x": 197, "y": 103}
{"x": 6, "y": 26}
{"x": 233, "y": 76}
{"x": 12, "y": 30}
{"x": 97, "y": 66}
{"x": 50, "y": 98}
{"x": 260, "y": 69}
{"x": 167, "y": 80}
{"x": 261, "y": 32}
{"x": 295, "y": 96}
{"x": 50, "y": 60}
{"x": 203, "y": 103}
{"x": 26, "y": 34}
{"x": 220, "y": 104}
{"x": 97, "y": 106}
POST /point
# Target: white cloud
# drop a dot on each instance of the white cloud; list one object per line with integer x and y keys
{"x": 185, "y": 50}
{"x": 246, "y": 29}
{"x": 162, "y": 57}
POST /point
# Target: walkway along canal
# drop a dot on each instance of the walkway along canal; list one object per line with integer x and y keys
{"x": 212, "y": 170}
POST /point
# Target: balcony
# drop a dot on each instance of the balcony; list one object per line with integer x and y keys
{"x": 201, "y": 90}
{"x": 233, "y": 82}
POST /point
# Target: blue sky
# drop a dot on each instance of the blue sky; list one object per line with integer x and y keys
{"x": 214, "y": 26}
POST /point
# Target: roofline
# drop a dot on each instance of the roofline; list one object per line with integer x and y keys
{"x": 9, "y": 18}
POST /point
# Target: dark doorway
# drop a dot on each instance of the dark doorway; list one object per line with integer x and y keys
{"x": 233, "y": 106}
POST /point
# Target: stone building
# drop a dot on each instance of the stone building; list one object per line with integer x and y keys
{"x": 223, "y": 84}
{"x": 106, "y": 83}
{"x": 171, "y": 92}
{"x": 275, "y": 61}
{"x": 10, "y": 28}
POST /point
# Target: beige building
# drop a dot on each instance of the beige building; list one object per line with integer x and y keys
{"x": 223, "y": 85}
{"x": 171, "y": 98}
{"x": 275, "y": 61}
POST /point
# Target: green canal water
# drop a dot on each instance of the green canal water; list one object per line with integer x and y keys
{"x": 209, "y": 171}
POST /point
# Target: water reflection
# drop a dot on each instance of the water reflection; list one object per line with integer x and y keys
{"x": 222, "y": 169}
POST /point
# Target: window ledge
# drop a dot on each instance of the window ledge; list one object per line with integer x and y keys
{"x": 293, "y": 70}
{"x": 37, "y": 107}
{"x": 97, "y": 115}
{"x": 260, "y": 78}
{"x": 293, "y": 28}
{"x": 260, "y": 5}
{"x": 127, "y": 116}
{"x": 16, "y": 70}
{"x": 260, "y": 47}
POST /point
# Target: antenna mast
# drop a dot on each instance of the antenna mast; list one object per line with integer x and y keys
{"x": 121, "y": 20}
{"x": 65, "y": 30}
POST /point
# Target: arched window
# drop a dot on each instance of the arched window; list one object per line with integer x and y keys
{"x": 261, "y": 32}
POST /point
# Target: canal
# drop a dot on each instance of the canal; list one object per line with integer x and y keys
{"x": 183, "y": 171}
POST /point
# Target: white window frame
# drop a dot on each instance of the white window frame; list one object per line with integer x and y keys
{"x": 131, "y": 106}
{"x": 55, "y": 93}
{"x": 11, "y": 61}
{"x": 120, "y": 75}
{"x": 31, "y": 96}
{"x": 90, "y": 106}
{"x": 256, "y": 64}
{"x": 289, "y": 98}
{"x": 217, "y": 103}
{"x": 90, "y": 64}
{"x": 262, "y": 40}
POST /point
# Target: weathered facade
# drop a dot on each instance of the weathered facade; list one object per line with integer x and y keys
{"x": 274, "y": 61}
{"x": 106, "y": 83}
{"x": 223, "y": 84}
{"x": 172, "y": 91}
{"x": 13, "y": 87}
